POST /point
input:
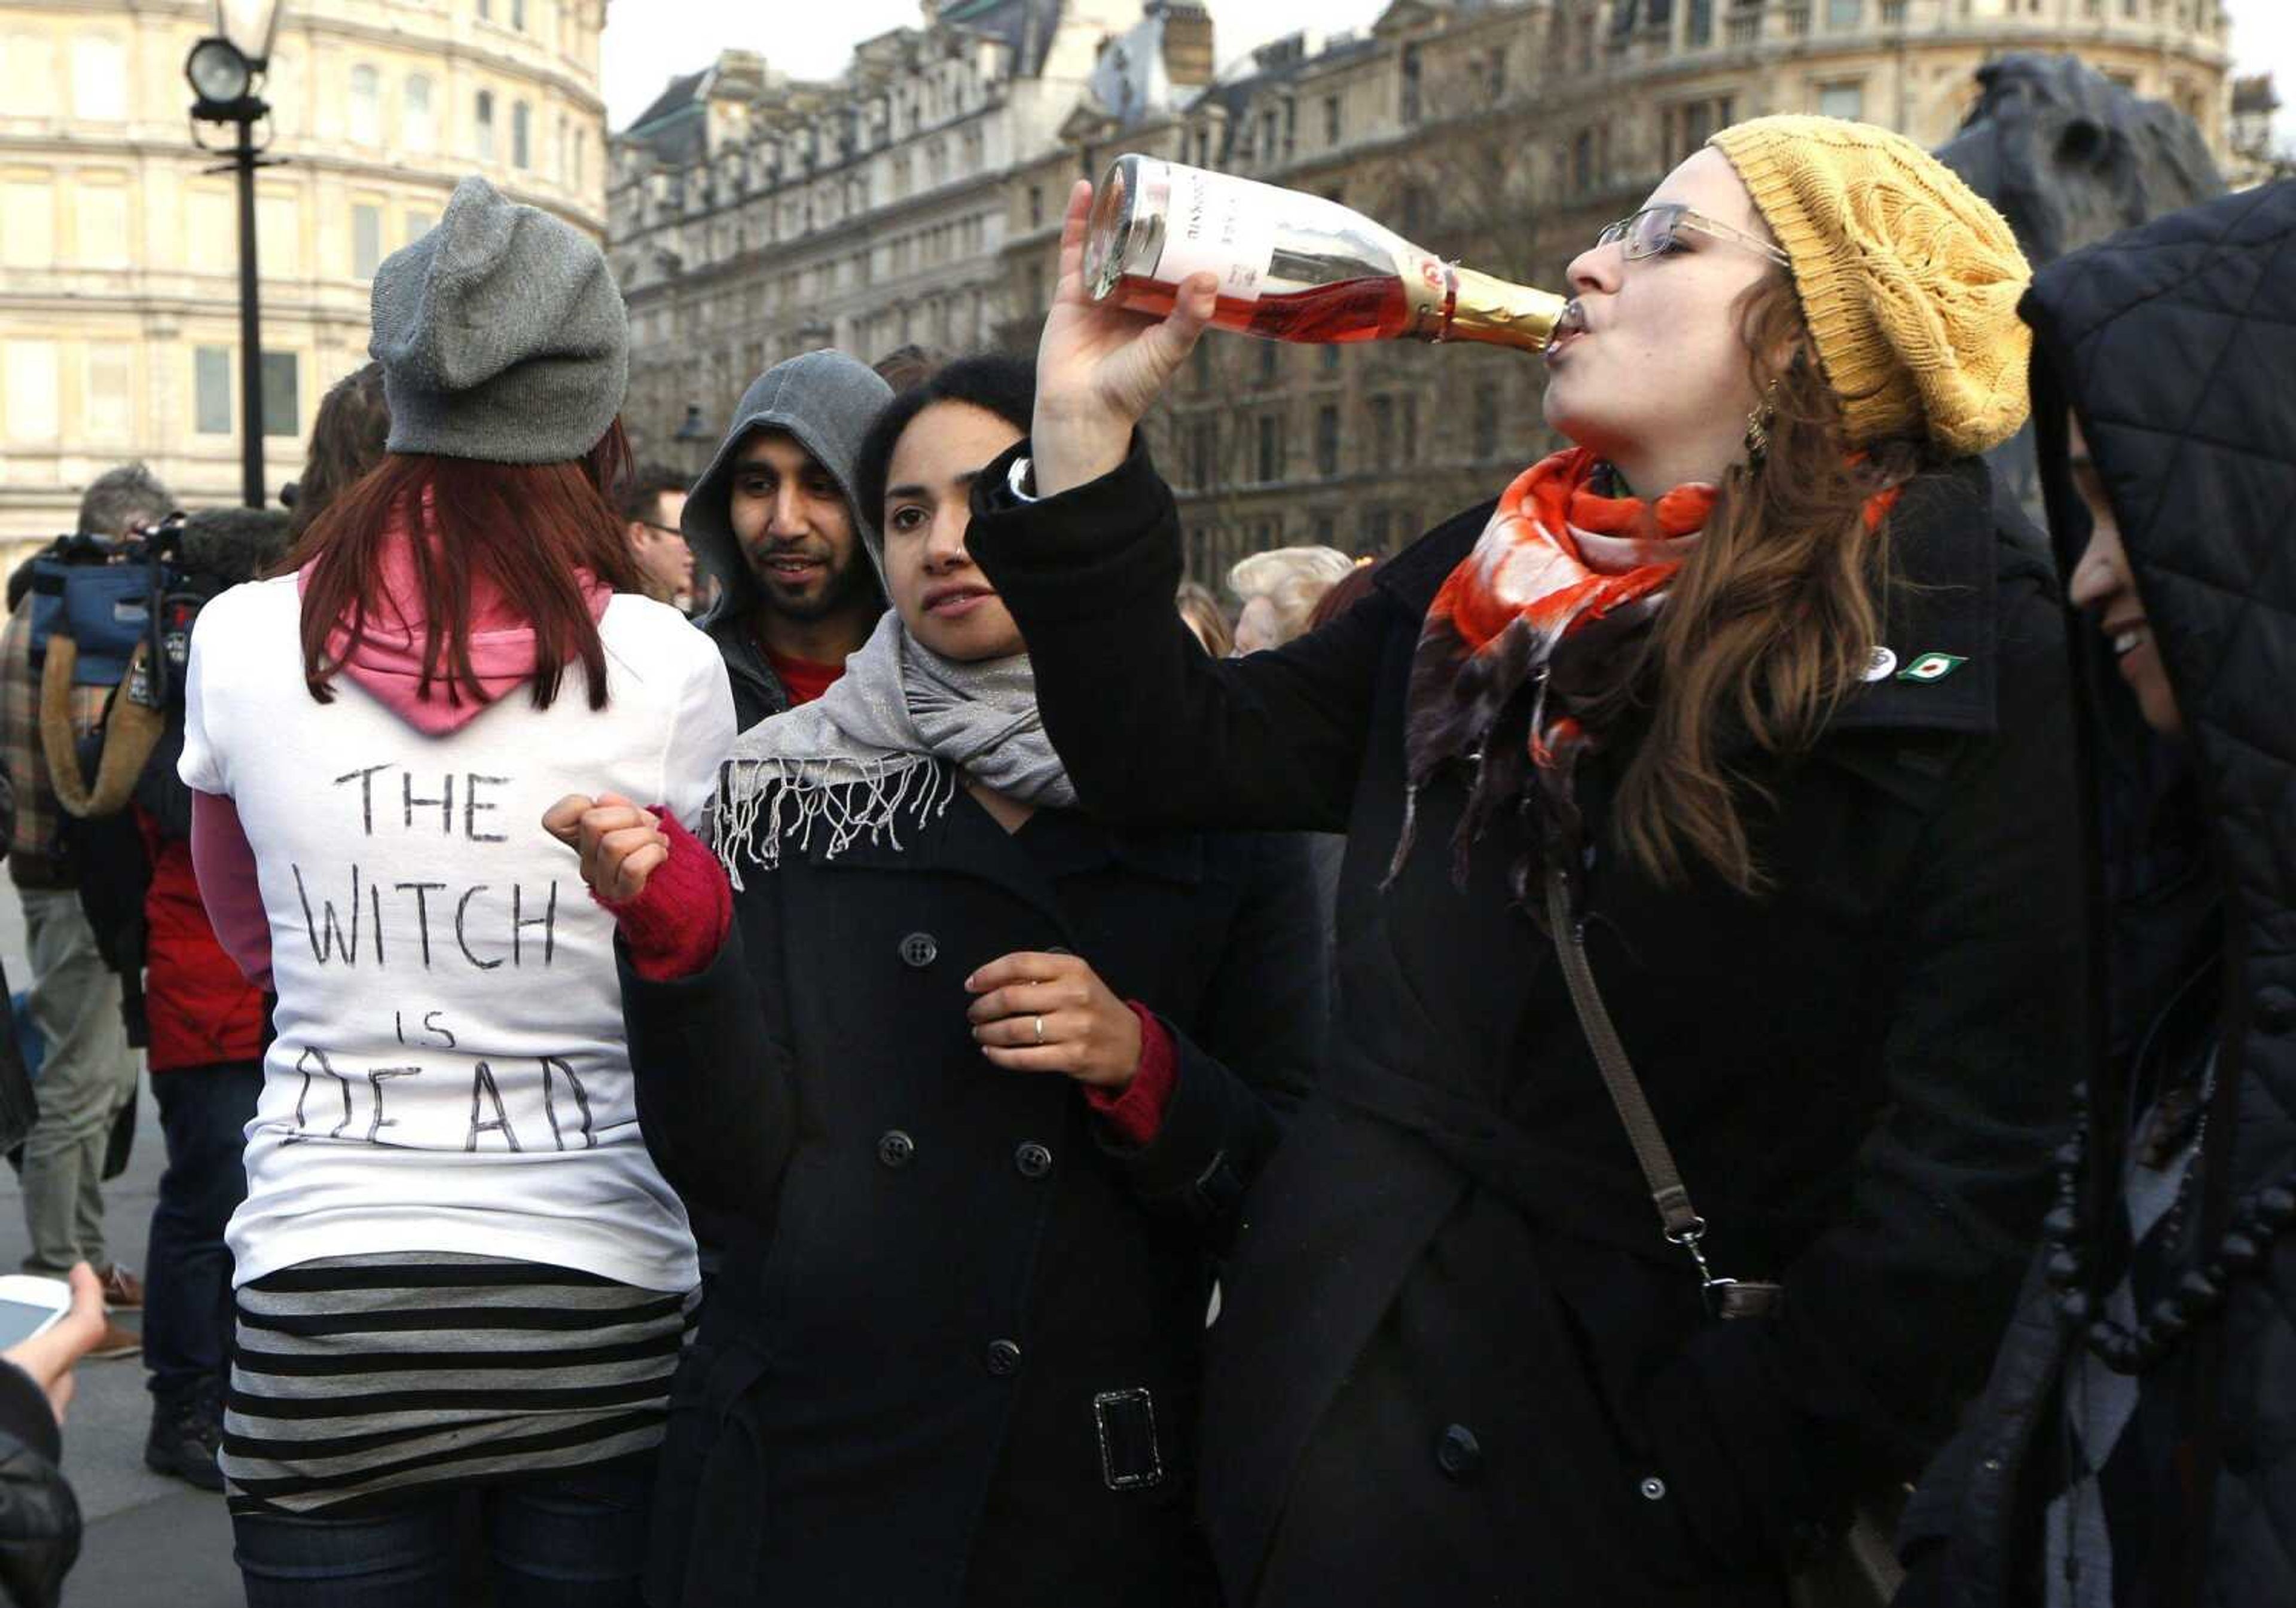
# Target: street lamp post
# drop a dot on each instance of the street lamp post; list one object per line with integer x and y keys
{"x": 226, "y": 70}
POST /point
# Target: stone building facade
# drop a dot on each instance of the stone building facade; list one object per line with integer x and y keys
{"x": 1505, "y": 134}
{"x": 118, "y": 253}
{"x": 755, "y": 217}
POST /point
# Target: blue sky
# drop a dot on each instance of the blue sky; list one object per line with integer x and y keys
{"x": 648, "y": 41}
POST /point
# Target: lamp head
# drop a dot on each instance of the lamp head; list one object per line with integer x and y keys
{"x": 220, "y": 75}
{"x": 248, "y": 25}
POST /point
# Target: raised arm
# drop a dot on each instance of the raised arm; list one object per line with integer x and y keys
{"x": 1088, "y": 557}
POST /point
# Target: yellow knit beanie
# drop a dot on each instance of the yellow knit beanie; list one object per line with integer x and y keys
{"x": 1908, "y": 280}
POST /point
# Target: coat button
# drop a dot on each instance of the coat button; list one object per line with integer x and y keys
{"x": 1458, "y": 1454}
{"x": 2275, "y": 1010}
{"x": 1033, "y": 1160}
{"x": 920, "y": 951}
{"x": 1003, "y": 1358}
{"x": 895, "y": 1148}
{"x": 1653, "y": 1489}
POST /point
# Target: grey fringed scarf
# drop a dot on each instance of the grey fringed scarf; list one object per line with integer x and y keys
{"x": 884, "y": 744}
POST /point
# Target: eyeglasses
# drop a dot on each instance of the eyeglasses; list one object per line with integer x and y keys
{"x": 1650, "y": 232}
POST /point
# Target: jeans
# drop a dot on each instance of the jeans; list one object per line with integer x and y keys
{"x": 187, "y": 1306}
{"x": 571, "y": 1539}
{"x": 88, "y": 1075}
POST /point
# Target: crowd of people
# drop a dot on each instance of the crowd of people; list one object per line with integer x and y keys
{"x": 1714, "y": 1032}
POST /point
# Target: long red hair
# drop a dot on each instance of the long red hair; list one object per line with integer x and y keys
{"x": 528, "y": 528}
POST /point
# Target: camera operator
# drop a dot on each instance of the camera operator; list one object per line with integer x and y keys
{"x": 89, "y": 1074}
{"x": 203, "y": 1024}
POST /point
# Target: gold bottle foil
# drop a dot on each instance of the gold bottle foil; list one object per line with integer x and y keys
{"x": 1504, "y": 314}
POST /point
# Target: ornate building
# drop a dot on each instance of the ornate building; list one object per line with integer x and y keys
{"x": 755, "y": 217}
{"x": 1506, "y": 133}
{"x": 119, "y": 252}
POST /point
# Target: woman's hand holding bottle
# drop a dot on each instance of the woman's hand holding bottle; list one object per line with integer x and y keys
{"x": 1099, "y": 368}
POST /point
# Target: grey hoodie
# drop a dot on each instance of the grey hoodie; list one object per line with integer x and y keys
{"x": 826, "y": 401}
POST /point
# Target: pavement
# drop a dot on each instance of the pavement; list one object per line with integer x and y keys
{"x": 149, "y": 1541}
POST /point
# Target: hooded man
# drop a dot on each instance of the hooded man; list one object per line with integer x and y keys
{"x": 2132, "y": 1451}
{"x": 774, "y": 517}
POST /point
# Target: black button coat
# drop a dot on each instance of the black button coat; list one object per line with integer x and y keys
{"x": 952, "y": 1354}
{"x": 2176, "y": 345}
{"x": 1861, "y": 1076}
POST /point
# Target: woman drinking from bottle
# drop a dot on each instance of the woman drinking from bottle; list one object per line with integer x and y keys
{"x": 1741, "y": 716}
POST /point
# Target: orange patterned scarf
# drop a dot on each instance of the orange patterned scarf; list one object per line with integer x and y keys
{"x": 1530, "y": 631}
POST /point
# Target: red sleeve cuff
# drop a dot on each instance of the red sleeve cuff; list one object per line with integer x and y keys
{"x": 678, "y": 921}
{"x": 1138, "y": 1113}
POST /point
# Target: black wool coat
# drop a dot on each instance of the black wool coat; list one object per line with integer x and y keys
{"x": 1457, "y": 1361}
{"x": 2175, "y": 344}
{"x": 952, "y": 1354}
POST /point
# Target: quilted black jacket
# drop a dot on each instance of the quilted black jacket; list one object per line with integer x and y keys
{"x": 2175, "y": 345}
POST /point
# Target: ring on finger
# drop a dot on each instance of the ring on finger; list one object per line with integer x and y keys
{"x": 1040, "y": 1030}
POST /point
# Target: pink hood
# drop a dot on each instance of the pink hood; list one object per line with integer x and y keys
{"x": 389, "y": 663}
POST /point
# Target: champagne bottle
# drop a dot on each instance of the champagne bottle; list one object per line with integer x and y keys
{"x": 1291, "y": 266}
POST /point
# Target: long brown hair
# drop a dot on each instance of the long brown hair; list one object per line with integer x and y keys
{"x": 526, "y": 527}
{"x": 347, "y": 442}
{"x": 1772, "y": 621}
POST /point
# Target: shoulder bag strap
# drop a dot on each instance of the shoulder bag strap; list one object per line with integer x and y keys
{"x": 1679, "y": 1219}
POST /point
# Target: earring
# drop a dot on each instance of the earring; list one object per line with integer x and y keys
{"x": 1758, "y": 428}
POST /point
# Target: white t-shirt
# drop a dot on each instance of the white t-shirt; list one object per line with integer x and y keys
{"x": 450, "y": 1072}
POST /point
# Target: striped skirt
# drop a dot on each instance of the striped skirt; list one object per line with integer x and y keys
{"x": 360, "y": 1378}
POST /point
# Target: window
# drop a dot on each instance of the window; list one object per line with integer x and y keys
{"x": 522, "y": 135}
{"x": 1842, "y": 100}
{"x": 1205, "y": 452}
{"x": 1844, "y": 13}
{"x": 366, "y": 106}
{"x": 1268, "y": 353}
{"x": 1036, "y": 206}
{"x": 30, "y": 240}
{"x": 1383, "y": 433}
{"x": 1331, "y": 358}
{"x": 419, "y": 224}
{"x": 99, "y": 78}
{"x": 1328, "y": 440}
{"x": 28, "y": 67}
{"x": 1330, "y": 119}
{"x": 211, "y": 390}
{"x": 420, "y": 125}
{"x": 581, "y": 156}
{"x": 1485, "y": 442}
{"x": 517, "y": 15}
{"x": 278, "y": 235}
{"x": 485, "y": 120}
{"x": 1701, "y": 23}
{"x": 485, "y": 11}
{"x": 1271, "y": 446}
{"x": 31, "y": 376}
{"x": 107, "y": 393}
{"x": 1410, "y": 107}
{"x": 282, "y": 410}
{"x": 100, "y": 224}
{"x": 367, "y": 239}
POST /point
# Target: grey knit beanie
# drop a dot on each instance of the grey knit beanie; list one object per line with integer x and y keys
{"x": 501, "y": 334}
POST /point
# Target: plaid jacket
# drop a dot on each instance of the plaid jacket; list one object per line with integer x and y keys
{"x": 36, "y": 854}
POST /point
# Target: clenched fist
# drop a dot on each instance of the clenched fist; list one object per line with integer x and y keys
{"x": 620, "y": 843}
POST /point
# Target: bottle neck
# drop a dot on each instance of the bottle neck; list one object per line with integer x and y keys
{"x": 1493, "y": 311}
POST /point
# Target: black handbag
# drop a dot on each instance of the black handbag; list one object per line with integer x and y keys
{"x": 1861, "y": 1568}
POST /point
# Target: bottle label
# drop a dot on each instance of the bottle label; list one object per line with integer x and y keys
{"x": 1218, "y": 226}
